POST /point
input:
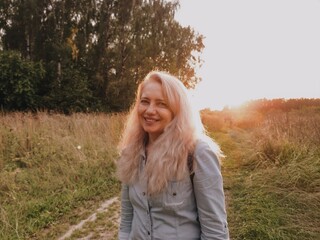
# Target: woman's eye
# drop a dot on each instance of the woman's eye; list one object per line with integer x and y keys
{"x": 162, "y": 104}
{"x": 144, "y": 101}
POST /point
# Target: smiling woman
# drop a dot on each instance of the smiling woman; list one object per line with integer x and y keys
{"x": 153, "y": 110}
{"x": 172, "y": 186}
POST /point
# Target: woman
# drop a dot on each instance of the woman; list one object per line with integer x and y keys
{"x": 162, "y": 197}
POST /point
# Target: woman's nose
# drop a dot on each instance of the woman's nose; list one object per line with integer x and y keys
{"x": 151, "y": 108}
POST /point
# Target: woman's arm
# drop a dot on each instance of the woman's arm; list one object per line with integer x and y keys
{"x": 126, "y": 214}
{"x": 208, "y": 189}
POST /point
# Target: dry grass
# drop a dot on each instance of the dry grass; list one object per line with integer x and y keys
{"x": 275, "y": 190}
{"x": 222, "y": 121}
{"x": 51, "y": 165}
{"x": 55, "y": 170}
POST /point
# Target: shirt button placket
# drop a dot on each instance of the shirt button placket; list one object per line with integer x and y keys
{"x": 148, "y": 217}
{"x": 148, "y": 226}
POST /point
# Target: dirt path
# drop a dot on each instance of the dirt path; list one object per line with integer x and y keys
{"x": 102, "y": 224}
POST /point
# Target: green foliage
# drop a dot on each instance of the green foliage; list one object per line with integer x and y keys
{"x": 71, "y": 93}
{"x": 108, "y": 45}
{"x": 19, "y": 82}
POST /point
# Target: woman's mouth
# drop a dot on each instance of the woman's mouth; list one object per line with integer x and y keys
{"x": 150, "y": 120}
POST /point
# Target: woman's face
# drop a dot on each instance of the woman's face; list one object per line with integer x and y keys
{"x": 154, "y": 112}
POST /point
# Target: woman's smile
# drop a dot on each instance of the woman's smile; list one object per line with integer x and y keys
{"x": 154, "y": 112}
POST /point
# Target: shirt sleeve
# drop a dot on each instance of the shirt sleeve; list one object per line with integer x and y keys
{"x": 209, "y": 194}
{"x": 126, "y": 214}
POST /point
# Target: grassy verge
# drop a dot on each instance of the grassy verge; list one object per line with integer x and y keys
{"x": 54, "y": 170}
{"x": 272, "y": 174}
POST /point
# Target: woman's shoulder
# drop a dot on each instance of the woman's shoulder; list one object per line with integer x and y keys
{"x": 207, "y": 154}
{"x": 205, "y": 143}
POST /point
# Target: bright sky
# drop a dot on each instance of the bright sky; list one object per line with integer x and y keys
{"x": 255, "y": 49}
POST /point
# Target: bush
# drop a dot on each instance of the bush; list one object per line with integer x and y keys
{"x": 19, "y": 82}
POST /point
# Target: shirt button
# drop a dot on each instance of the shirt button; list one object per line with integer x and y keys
{"x": 174, "y": 194}
{"x": 143, "y": 193}
{"x": 148, "y": 233}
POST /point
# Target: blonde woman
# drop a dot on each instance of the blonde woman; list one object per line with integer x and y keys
{"x": 172, "y": 186}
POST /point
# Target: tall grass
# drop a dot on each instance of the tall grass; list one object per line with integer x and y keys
{"x": 277, "y": 193}
{"x": 221, "y": 121}
{"x": 55, "y": 169}
{"x": 51, "y": 165}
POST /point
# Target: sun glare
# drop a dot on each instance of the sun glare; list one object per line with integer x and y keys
{"x": 202, "y": 100}
{"x": 249, "y": 55}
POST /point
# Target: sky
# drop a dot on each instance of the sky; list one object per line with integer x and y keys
{"x": 255, "y": 49}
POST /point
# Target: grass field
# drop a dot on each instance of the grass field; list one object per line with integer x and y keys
{"x": 272, "y": 173}
{"x": 56, "y": 170}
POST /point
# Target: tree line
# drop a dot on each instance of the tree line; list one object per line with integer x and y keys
{"x": 281, "y": 104}
{"x": 89, "y": 55}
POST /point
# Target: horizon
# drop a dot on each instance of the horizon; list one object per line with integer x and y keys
{"x": 253, "y": 100}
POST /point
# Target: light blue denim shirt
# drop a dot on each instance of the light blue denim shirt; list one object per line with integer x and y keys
{"x": 182, "y": 211}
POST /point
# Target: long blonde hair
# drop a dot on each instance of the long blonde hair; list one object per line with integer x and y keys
{"x": 167, "y": 158}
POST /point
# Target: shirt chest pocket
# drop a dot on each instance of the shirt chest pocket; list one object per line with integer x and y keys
{"x": 176, "y": 195}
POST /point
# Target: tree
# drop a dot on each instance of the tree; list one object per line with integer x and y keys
{"x": 150, "y": 38}
{"x": 109, "y": 44}
{"x": 19, "y": 82}
{"x": 72, "y": 94}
